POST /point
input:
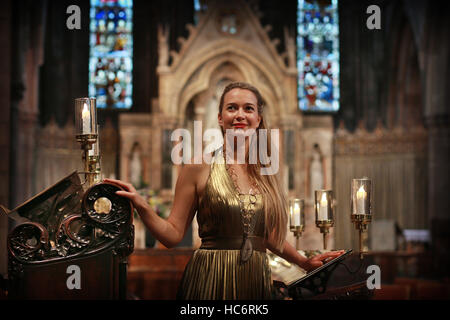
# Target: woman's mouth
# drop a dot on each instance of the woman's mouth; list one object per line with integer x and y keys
{"x": 239, "y": 126}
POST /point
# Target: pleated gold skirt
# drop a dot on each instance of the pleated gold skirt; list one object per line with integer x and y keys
{"x": 219, "y": 275}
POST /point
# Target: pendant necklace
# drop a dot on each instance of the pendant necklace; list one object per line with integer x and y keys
{"x": 247, "y": 211}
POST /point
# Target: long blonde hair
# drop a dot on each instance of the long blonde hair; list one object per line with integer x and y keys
{"x": 275, "y": 204}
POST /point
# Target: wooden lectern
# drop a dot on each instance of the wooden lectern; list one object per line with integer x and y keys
{"x": 68, "y": 243}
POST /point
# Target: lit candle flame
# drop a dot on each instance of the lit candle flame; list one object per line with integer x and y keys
{"x": 323, "y": 210}
{"x": 323, "y": 200}
{"x": 296, "y": 214}
{"x": 86, "y": 120}
{"x": 361, "y": 193}
{"x": 85, "y": 112}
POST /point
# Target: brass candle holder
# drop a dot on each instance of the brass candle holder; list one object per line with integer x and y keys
{"x": 324, "y": 209}
{"x": 94, "y": 161}
{"x": 297, "y": 219}
{"x": 361, "y": 207}
{"x": 87, "y": 136}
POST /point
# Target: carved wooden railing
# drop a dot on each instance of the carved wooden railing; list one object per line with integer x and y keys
{"x": 64, "y": 226}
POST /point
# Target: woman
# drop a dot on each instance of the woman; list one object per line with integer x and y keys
{"x": 240, "y": 213}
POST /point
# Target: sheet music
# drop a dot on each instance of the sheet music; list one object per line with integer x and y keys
{"x": 284, "y": 271}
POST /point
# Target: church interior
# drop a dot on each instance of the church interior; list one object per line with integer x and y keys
{"x": 357, "y": 89}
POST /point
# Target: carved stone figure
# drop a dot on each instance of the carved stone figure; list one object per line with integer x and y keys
{"x": 163, "y": 46}
{"x": 135, "y": 167}
{"x": 316, "y": 171}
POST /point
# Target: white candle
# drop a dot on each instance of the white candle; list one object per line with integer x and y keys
{"x": 86, "y": 120}
{"x": 361, "y": 195}
{"x": 323, "y": 208}
{"x": 296, "y": 215}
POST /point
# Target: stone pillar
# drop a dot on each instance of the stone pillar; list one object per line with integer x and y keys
{"x": 436, "y": 81}
{"x": 5, "y": 89}
{"x": 438, "y": 188}
{"x": 27, "y": 47}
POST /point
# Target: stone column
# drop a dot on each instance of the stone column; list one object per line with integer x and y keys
{"x": 5, "y": 89}
{"x": 436, "y": 81}
{"x": 27, "y": 47}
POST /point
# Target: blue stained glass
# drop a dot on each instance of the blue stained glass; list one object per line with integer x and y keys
{"x": 111, "y": 53}
{"x": 318, "y": 55}
{"x": 100, "y": 15}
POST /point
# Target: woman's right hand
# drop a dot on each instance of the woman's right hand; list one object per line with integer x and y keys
{"x": 130, "y": 193}
{"x": 318, "y": 260}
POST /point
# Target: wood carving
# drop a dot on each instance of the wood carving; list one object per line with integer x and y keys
{"x": 63, "y": 222}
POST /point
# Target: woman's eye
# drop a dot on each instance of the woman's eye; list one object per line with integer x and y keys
{"x": 250, "y": 108}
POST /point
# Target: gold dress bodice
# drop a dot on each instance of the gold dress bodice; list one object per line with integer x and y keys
{"x": 216, "y": 271}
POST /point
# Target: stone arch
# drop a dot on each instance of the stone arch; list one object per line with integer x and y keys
{"x": 405, "y": 78}
{"x": 260, "y": 78}
{"x": 257, "y": 69}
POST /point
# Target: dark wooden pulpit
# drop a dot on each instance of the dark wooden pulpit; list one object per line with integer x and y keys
{"x": 70, "y": 243}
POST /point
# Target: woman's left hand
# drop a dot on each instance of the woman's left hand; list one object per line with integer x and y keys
{"x": 320, "y": 259}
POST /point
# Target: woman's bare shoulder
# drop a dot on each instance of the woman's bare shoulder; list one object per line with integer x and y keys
{"x": 195, "y": 168}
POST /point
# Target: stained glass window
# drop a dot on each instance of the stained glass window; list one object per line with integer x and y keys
{"x": 318, "y": 55}
{"x": 111, "y": 53}
{"x": 199, "y": 8}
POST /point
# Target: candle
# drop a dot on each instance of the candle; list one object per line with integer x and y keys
{"x": 296, "y": 215}
{"x": 323, "y": 208}
{"x": 86, "y": 120}
{"x": 361, "y": 195}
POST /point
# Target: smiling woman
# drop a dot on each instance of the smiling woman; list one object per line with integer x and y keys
{"x": 240, "y": 212}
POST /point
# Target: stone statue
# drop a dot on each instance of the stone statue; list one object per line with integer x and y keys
{"x": 135, "y": 167}
{"x": 163, "y": 46}
{"x": 316, "y": 171}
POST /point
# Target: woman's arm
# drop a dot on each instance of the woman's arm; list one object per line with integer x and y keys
{"x": 168, "y": 231}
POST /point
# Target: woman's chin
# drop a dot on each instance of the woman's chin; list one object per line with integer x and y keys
{"x": 242, "y": 130}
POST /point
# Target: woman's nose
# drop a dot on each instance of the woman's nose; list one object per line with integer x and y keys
{"x": 240, "y": 114}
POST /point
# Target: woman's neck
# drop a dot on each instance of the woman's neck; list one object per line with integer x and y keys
{"x": 235, "y": 156}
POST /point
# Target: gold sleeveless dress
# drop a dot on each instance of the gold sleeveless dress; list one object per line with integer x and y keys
{"x": 215, "y": 271}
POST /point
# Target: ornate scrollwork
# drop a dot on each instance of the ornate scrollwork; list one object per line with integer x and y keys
{"x": 109, "y": 212}
{"x": 28, "y": 241}
{"x": 74, "y": 234}
{"x": 126, "y": 246}
{"x": 62, "y": 222}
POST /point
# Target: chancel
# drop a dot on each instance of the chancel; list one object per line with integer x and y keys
{"x": 358, "y": 117}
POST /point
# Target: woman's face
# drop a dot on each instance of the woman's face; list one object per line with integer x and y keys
{"x": 239, "y": 111}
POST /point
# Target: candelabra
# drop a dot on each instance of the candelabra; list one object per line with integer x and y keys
{"x": 361, "y": 208}
{"x": 87, "y": 136}
{"x": 324, "y": 208}
{"x": 297, "y": 219}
